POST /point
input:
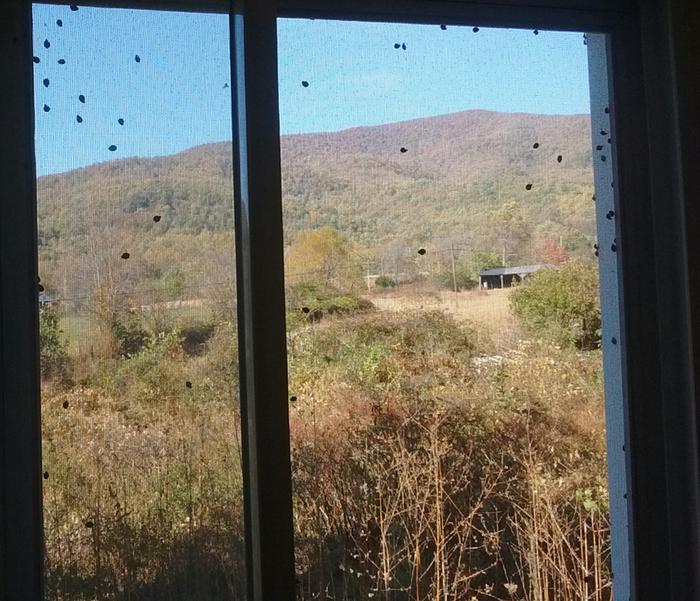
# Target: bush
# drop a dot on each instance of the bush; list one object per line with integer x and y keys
{"x": 400, "y": 447}
{"x": 195, "y": 337}
{"x": 385, "y": 281}
{"x": 381, "y": 352}
{"x": 129, "y": 335}
{"x": 562, "y": 305}
{"x": 52, "y": 345}
{"x": 405, "y": 453}
{"x": 462, "y": 277}
{"x": 308, "y": 301}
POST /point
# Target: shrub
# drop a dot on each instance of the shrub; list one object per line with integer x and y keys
{"x": 562, "y": 305}
{"x": 413, "y": 467}
{"x": 309, "y": 301}
{"x": 174, "y": 282}
{"x": 381, "y": 352}
{"x": 385, "y": 281}
{"x": 404, "y": 456}
{"x": 154, "y": 375}
{"x": 130, "y": 336}
{"x": 195, "y": 337}
{"x": 52, "y": 345}
{"x": 462, "y": 277}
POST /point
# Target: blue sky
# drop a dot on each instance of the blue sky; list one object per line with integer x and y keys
{"x": 175, "y": 97}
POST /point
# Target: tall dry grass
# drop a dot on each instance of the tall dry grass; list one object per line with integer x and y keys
{"x": 143, "y": 489}
{"x": 420, "y": 474}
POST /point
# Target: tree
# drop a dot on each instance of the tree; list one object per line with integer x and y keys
{"x": 550, "y": 251}
{"x": 324, "y": 256}
{"x": 485, "y": 260}
{"x": 561, "y": 304}
{"x": 511, "y": 231}
{"x": 105, "y": 278}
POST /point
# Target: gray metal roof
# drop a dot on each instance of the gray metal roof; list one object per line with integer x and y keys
{"x": 521, "y": 270}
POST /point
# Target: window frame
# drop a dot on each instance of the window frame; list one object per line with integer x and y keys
{"x": 649, "y": 44}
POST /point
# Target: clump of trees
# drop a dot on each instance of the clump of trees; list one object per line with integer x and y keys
{"x": 324, "y": 256}
{"x": 562, "y": 305}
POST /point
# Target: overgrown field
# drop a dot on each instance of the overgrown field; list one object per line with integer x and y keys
{"x": 426, "y": 467}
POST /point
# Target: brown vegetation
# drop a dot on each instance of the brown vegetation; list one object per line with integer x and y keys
{"x": 420, "y": 472}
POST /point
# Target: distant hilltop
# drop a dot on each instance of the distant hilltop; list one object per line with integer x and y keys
{"x": 419, "y": 179}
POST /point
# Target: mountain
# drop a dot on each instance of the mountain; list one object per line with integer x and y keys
{"x": 455, "y": 167}
{"x": 415, "y": 182}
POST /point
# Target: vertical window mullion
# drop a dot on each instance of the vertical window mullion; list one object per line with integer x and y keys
{"x": 261, "y": 306}
{"x": 21, "y": 562}
{"x": 611, "y": 301}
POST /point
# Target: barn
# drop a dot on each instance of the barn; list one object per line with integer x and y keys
{"x": 505, "y": 277}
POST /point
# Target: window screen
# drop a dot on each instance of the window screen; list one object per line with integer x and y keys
{"x": 443, "y": 316}
{"x": 140, "y": 417}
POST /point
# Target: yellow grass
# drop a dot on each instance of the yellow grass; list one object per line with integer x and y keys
{"x": 489, "y": 310}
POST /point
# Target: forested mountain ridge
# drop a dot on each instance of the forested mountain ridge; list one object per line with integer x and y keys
{"x": 462, "y": 176}
{"x": 453, "y": 171}
{"x": 462, "y": 156}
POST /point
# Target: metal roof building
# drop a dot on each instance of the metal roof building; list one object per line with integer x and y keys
{"x": 505, "y": 277}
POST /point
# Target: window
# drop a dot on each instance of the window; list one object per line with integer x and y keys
{"x": 443, "y": 316}
{"x": 642, "y": 56}
{"x": 143, "y": 492}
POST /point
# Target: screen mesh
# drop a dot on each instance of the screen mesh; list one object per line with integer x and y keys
{"x": 140, "y": 414}
{"x": 446, "y": 403}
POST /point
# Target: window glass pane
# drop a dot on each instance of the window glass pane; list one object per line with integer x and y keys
{"x": 140, "y": 414}
{"x": 443, "y": 317}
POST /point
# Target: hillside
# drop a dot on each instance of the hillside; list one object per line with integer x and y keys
{"x": 456, "y": 172}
